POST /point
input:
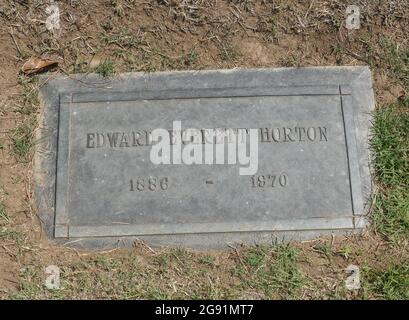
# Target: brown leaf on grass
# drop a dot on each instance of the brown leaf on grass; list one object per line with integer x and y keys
{"x": 36, "y": 65}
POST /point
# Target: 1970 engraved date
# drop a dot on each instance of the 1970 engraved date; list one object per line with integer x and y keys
{"x": 270, "y": 181}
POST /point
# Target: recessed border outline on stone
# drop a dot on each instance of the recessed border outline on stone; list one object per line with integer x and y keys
{"x": 63, "y": 229}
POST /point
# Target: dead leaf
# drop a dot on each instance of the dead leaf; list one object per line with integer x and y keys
{"x": 35, "y": 65}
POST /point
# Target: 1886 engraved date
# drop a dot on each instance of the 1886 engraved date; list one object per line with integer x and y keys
{"x": 149, "y": 184}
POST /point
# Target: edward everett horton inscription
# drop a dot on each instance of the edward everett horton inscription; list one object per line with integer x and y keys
{"x": 205, "y": 158}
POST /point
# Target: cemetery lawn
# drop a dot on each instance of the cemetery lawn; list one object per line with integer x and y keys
{"x": 113, "y": 36}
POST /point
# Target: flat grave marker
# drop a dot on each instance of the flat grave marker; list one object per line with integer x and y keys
{"x": 97, "y": 185}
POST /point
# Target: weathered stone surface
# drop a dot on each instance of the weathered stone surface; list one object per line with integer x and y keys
{"x": 101, "y": 187}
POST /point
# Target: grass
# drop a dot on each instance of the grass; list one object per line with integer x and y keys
{"x": 345, "y": 252}
{"x": 22, "y": 136}
{"x": 268, "y": 28}
{"x": 272, "y": 270}
{"x": 106, "y": 68}
{"x": 227, "y": 52}
{"x": 12, "y": 235}
{"x": 396, "y": 59}
{"x": 391, "y": 283}
{"x": 22, "y": 141}
{"x": 153, "y": 57}
{"x": 3, "y": 214}
{"x": 8, "y": 233}
{"x": 124, "y": 39}
{"x": 390, "y": 146}
{"x": 170, "y": 274}
{"x": 29, "y": 99}
{"x": 391, "y": 214}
